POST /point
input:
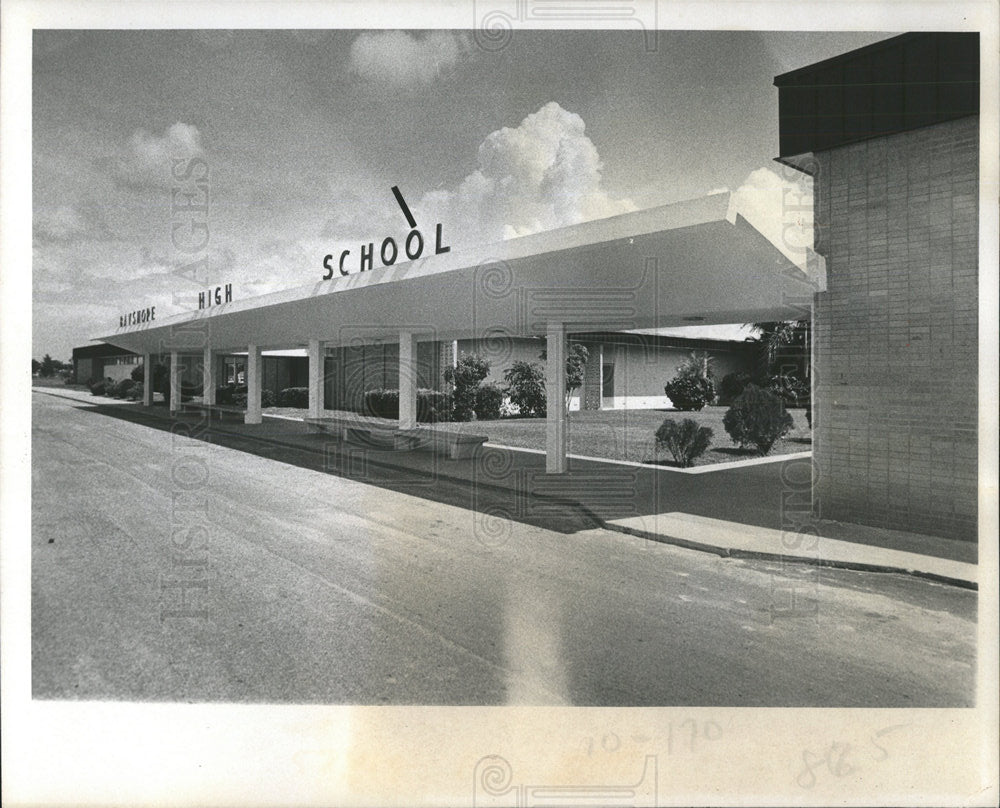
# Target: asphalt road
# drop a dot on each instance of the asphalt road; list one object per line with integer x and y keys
{"x": 167, "y": 568}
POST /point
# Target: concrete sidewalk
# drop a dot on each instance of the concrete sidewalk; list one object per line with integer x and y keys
{"x": 752, "y": 511}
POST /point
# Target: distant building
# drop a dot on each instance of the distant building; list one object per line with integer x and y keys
{"x": 624, "y": 370}
{"x": 890, "y": 135}
{"x": 92, "y": 363}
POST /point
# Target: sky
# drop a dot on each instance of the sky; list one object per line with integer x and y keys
{"x": 302, "y": 135}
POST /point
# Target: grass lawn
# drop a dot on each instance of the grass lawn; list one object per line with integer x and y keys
{"x": 620, "y": 434}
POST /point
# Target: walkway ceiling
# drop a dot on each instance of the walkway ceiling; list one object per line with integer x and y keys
{"x": 696, "y": 262}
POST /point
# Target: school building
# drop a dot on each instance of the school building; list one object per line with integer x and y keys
{"x": 889, "y": 134}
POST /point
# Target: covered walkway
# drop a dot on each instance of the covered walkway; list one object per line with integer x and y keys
{"x": 696, "y": 262}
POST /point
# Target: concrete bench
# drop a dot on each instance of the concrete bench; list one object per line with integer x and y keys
{"x": 214, "y": 410}
{"x": 386, "y": 435}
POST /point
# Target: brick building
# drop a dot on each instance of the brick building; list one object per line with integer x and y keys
{"x": 890, "y": 134}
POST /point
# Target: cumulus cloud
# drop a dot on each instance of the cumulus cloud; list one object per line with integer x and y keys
{"x": 145, "y": 161}
{"x": 67, "y": 224}
{"x": 780, "y": 207}
{"x": 401, "y": 59}
{"x": 543, "y": 174}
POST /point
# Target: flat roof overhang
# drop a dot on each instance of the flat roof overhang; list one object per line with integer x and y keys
{"x": 690, "y": 262}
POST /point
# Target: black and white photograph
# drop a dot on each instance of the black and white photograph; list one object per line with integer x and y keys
{"x": 516, "y": 403}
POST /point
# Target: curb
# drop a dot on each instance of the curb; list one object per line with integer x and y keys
{"x": 724, "y": 552}
{"x": 763, "y": 555}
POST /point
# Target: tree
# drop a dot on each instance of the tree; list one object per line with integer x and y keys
{"x": 576, "y": 365}
{"x": 48, "y": 367}
{"x": 775, "y": 338}
{"x": 526, "y": 388}
{"x": 465, "y": 377}
{"x": 36, "y": 366}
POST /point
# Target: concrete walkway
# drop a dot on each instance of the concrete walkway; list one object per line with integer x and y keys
{"x": 754, "y": 511}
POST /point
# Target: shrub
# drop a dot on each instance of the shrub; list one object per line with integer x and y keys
{"x": 294, "y": 397}
{"x": 690, "y": 393}
{"x": 432, "y": 405}
{"x": 238, "y": 397}
{"x": 229, "y": 393}
{"x": 489, "y": 398}
{"x": 526, "y": 388}
{"x": 732, "y": 385}
{"x": 138, "y": 373}
{"x": 189, "y": 391}
{"x": 465, "y": 377}
{"x": 685, "y": 440}
{"x": 508, "y": 409}
{"x": 696, "y": 366}
{"x": 97, "y": 389}
{"x": 757, "y": 419}
{"x": 382, "y": 403}
{"x": 135, "y": 394}
{"x": 121, "y": 389}
{"x": 692, "y": 388}
{"x": 790, "y": 389}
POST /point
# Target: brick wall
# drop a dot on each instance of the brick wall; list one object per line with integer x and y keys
{"x": 896, "y": 331}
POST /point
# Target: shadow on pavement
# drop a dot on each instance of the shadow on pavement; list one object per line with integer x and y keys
{"x": 502, "y": 484}
{"x": 421, "y": 474}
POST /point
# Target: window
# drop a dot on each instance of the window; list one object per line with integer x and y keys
{"x": 608, "y": 380}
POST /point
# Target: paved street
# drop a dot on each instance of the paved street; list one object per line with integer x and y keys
{"x": 168, "y": 568}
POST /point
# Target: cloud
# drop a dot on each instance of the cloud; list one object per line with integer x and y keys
{"x": 69, "y": 224}
{"x": 354, "y": 217}
{"x": 61, "y": 225}
{"x": 780, "y": 207}
{"x": 146, "y": 160}
{"x": 401, "y": 59}
{"x": 543, "y": 174}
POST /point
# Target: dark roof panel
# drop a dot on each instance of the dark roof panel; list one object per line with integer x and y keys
{"x": 100, "y": 349}
{"x": 903, "y": 83}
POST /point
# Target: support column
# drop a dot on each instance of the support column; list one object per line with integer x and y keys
{"x": 147, "y": 380}
{"x": 208, "y": 376}
{"x": 175, "y": 381}
{"x": 254, "y": 372}
{"x": 407, "y": 380}
{"x": 555, "y": 399}
{"x": 316, "y": 361}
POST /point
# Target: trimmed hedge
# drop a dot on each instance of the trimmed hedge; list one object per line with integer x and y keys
{"x": 294, "y": 397}
{"x": 432, "y": 405}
